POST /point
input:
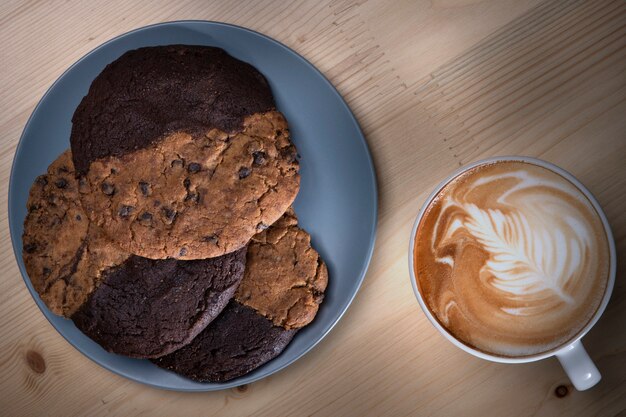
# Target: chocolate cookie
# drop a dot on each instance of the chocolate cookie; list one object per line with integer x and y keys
{"x": 282, "y": 287}
{"x": 130, "y": 305}
{"x": 237, "y": 342}
{"x": 182, "y": 152}
{"x": 64, "y": 255}
{"x": 150, "y": 92}
{"x": 148, "y": 308}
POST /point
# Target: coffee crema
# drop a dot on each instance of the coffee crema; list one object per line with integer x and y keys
{"x": 511, "y": 258}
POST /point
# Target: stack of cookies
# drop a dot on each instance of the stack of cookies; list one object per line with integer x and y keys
{"x": 167, "y": 232}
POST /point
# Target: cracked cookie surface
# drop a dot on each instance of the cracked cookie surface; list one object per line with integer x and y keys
{"x": 282, "y": 287}
{"x": 193, "y": 196}
{"x": 63, "y": 254}
{"x": 148, "y": 308}
{"x": 237, "y": 342}
{"x": 285, "y": 277}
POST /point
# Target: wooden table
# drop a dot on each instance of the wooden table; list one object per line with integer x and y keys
{"x": 434, "y": 84}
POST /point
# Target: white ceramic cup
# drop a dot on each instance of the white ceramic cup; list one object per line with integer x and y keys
{"x": 577, "y": 364}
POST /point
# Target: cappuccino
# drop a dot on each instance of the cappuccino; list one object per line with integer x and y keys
{"x": 511, "y": 258}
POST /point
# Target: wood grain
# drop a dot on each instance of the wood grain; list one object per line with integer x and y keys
{"x": 434, "y": 84}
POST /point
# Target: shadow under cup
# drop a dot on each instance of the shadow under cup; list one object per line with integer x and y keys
{"x": 486, "y": 280}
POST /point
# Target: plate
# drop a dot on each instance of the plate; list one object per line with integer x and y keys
{"x": 337, "y": 203}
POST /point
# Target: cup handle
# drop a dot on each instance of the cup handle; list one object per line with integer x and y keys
{"x": 579, "y": 367}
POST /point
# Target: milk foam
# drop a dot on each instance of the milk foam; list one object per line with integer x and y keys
{"x": 512, "y": 258}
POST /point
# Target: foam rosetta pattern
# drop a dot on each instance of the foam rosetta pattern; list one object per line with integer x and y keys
{"x": 512, "y": 258}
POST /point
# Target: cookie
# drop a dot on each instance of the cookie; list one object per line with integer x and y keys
{"x": 130, "y": 305}
{"x": 285, "y": 277}
{"x": 237, "y": 342}
{"x": 195, "y": 197}
{"x": 183, "y": 153}
{"x": 149, "y": 92}
{"x": 148, "y": 308}
{"x": 64, "y": 255}
{"x": 284, "y": 283}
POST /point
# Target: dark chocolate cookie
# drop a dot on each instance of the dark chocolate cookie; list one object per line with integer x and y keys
{"x": 237, "y": 342}
{"x": 147, "y": 308}
{"x": 150, "y": 92}
{"x": 284, "y": 283}
{"x": 183, "y": 151}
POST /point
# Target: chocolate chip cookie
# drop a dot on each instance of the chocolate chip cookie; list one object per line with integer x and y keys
{"x": 148, "y": 92}
{"x": 64, "y": 255}
{"x": 183, "y": 153}
{"x": 282, "y": 287}
{"x": 285, "y": 277}
{"x": 130, "y": 305}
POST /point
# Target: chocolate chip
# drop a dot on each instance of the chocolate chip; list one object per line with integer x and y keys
{"x": 125, "y": 211}
{"x": 62, "y": 183}
{"x": 46, "y": 271}
{"x": 177, "y": 163}
{"x": 195, "y": 197}
{"x": 259, "y": 157}
{"x": 289, "y": 153}
{"x": 187, "y": 183}
{"x": 183, "y": 252}
{"x": 261, "y": 226}
{"x": 144, "y": 187}
{"x": 42, "y": 180}
{"x": 194, "y": 167}
{"x": 113, "y": 171}
{"x": 279, "y": 132}
{"x": 78, "y": 217}
{"x": 210, "y": 239}
{"x": 244, "y": 172}
{"x": 169, "y": 214}
{"x": 146, "y": 216}
{"x": 107, "y": 188}
{"x": 30, "y": 248}
{"x": 318, "y": 296}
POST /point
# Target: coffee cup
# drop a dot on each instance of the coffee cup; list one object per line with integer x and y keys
{"x": 513, "y": 260}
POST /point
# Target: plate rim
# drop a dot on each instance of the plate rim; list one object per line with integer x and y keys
{"x": 374, "y": 192}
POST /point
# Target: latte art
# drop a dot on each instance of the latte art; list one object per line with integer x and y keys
{"x": 533, "y": 252}
{"x": 511, "y": 258}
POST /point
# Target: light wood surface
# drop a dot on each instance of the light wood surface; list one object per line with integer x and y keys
{"x": 434, "y": 84}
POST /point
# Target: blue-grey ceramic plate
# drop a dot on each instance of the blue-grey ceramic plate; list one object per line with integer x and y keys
{"x": 337, "y": 203}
